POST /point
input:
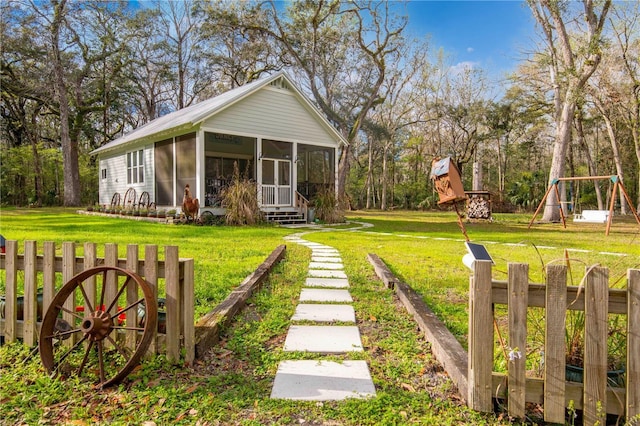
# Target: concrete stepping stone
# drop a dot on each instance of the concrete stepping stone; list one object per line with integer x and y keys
{"x": 331, "y": 251}
{"x": 327, "y": 282}
{"x": 324, "y": 339}
{"x": 312, "y": 380}
{"x": 324, "y": 295}
{"x": 326, "y": 259}
{"x": 324, "y": 313}
{"x": 325, "y": 265}
{"x": 325, "y": 273}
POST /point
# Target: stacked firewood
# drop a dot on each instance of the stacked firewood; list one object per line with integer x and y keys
{"x": 478, "y": 208}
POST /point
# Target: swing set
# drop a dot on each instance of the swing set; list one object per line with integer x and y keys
{"x": 597, "y": 216}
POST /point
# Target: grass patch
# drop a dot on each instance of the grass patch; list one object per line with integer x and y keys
{"x": 232, "y": 383}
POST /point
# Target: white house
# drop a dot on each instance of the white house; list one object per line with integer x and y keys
{"x": 268, "y": 127}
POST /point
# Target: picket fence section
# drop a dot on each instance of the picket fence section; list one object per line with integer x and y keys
{"x": 596, "y": 397}
{"x": 42, "y": 274}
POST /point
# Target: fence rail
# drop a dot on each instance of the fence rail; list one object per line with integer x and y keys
{"x": 42, "y": 274}
{"x": 596, "y": 396}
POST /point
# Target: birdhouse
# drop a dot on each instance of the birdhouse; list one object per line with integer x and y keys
{"x": 447, "y": 181}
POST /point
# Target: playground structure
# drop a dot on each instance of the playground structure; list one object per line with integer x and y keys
{"x": 594, "y": 216}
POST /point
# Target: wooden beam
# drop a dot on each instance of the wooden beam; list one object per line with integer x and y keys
{"x": 207, "y": 330}
{"x": 445, "y": 347}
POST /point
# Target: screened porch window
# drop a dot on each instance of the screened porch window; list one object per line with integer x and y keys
{"x": 135, "y": 167}
{"x": 223, "y": 153}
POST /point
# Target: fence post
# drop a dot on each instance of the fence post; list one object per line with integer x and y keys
{"x": 633, "y": 343}
{"x": 518, "y": 293}
{"x": 68, "y": 271}
{"x": 48, "y": 275}
{"x": 172, "y": 289}
{"x": 151, "y": 276}
{"x": 596, "y": 302}
{"x": 554, "y": 343}
{"x": 132, "y": 296}
{"x": 11, "y": 290}
{"x": 90, "y": 283}
{"x": 480, "y": 332}
{"x": 30, "y": 305}
{"x": 110, "y": 281}
{"x": 188, "y": 312}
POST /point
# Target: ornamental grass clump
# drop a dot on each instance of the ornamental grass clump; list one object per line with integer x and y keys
{"x": 240, "y": 199}
{"x": 327, "y": 207}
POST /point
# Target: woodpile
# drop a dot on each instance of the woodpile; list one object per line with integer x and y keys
{"x": 478, "y": 208}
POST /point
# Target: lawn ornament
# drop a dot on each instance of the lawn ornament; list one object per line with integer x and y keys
{"x": 102, "y": 341}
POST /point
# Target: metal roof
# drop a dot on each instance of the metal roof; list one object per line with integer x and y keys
{"x": 192, "y": 115}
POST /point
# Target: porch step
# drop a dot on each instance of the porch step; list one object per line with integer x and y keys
{"x": 285, "y": 217}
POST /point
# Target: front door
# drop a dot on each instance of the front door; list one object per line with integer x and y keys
{"x": 276, "y": 182}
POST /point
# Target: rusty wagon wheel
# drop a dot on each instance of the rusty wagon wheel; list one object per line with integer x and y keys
{"x": 145, "y": 200}
{"x": 99, "y": 340}
{"x": 115, "y": 200}
{"x": 130, "y": 199}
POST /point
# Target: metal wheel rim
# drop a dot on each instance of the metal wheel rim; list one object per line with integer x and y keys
{"x": 96, "y": 326}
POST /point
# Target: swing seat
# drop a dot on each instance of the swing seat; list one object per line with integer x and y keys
{"x": 592, "y": 216}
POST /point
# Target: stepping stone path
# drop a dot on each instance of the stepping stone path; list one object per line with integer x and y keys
{"x": 324, "y": 299}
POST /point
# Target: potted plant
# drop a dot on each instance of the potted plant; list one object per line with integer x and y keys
{"x": 161, "y": 214}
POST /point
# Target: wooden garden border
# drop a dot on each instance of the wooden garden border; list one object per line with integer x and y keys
{"x": 209, "y": 326}
{"x": 445, "y": 347}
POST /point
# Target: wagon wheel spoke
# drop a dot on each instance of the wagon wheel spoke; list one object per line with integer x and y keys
{"x": 123, "y": 310}
{"x": 70, "y": 312}
{"x": 117, "y": 327}
{"x": 104, "y": 285}
{"x": 66, "y": 354}
{"x": 119, "y": 348}
{"x": 58, "y": 335}
{"x": 87, "y": 300}
{"x": 84, "y": 360}
{"x": 117, "y": 296}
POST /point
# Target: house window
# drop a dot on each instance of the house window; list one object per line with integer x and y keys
{"x": 135, "y": 167}
{"x": 103, "y": 174}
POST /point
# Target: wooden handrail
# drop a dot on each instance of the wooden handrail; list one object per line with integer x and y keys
{"x": 302, "y": 204}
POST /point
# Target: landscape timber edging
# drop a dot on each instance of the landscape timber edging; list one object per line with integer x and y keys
{"x": 208, "y": 327}
{"x": 445, "y": 347}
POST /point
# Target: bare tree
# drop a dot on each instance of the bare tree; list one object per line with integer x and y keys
{"x": 341, "y": 49}
{"x": 573, "y": 58}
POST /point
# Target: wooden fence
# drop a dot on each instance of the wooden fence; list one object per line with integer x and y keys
{"x": 596, "y": 397}
{"x": 40, "y": 273}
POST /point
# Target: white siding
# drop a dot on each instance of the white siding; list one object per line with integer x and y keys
{"x": 116, "y": 181}
{"x": 272, "y": 114}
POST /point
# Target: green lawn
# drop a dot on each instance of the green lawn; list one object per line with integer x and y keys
{"x": 231, "y": 385}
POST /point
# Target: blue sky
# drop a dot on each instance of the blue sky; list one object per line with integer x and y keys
{"x": 488, "y": 34}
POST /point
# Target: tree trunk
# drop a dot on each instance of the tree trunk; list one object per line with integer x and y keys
{"x": 383, "y": 196}
{"x": 69, "y": 147}
{"x": 344, "y": 167}
{"x": 617, "y": 161}
{"x": 558, "y": 162}
{"x": 587, "y": 152}
{"x": 369, "y": 180}
{"x": 476, "y": 184}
